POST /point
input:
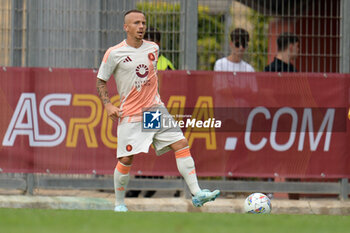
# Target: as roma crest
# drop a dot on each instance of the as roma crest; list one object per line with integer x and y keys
{"x": 151, "y": 56}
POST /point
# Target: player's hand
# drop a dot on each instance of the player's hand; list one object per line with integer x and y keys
{"x": 113, "y": 112}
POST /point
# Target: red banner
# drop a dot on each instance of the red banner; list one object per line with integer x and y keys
{"x": 258, "y": 124}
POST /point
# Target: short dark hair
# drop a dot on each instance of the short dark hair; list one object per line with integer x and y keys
{"x": 285, "y": 39}
{"x": 239, "y": 34}
{"x": 132, "y": 11}
{"x": 152, "y": 34}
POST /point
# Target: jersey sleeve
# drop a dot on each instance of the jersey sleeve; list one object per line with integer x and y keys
{"x": 107, "y": 66}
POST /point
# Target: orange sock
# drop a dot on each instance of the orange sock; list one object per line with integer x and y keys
{"x": 184, "y": 152}
{"x": 124, "y": 169}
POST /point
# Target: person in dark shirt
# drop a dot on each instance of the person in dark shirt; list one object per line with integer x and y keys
{"x": 288, "y": 50}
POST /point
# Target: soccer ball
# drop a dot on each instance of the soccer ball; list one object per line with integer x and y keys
{"x": 257, "y": 203}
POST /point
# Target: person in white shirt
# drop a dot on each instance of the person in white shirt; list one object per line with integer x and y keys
{"x": 234, "y": 62}
{"x": 230, "y": 89}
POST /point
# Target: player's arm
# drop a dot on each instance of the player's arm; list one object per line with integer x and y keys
{"x": 112, "y": 111}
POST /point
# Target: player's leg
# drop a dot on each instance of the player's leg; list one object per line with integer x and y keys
{"x": 173, "y": 139}
{"x": 131, "y": 141}
{"x": 186, "y": 167}
{"x": 185, "y": 164}
{"x": 121, "y": 180}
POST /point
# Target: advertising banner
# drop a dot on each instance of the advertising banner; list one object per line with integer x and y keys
{"x": 237, "y": 124}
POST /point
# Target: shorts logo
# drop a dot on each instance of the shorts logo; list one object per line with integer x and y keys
{"x": 151, "y": 119}
{"x": 151, "y": 56}
{"x": 129, "y": 147}
{"x": 142, "y": 70}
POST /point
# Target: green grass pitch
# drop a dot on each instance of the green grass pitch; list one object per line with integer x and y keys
{"x": 96, "y": 221}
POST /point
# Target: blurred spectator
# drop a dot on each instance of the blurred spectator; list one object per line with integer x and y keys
{"x": 229, "y": 91}
{"x": 288, "y": 50}
{"x": 234, "y": 62}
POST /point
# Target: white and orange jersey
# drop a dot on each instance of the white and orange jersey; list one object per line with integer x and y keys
{"x": 135, "y": 73}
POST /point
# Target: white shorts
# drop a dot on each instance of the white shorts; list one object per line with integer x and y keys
{"x": 134, "y": 139}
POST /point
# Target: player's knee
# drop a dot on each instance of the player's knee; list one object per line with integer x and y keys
{"x": 179, "y": 144}
{"x": 126, "y": 160}
{"x": 183, "y": 143}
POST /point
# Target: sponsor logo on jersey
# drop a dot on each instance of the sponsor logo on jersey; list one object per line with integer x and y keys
{"x": 142, "y": 70}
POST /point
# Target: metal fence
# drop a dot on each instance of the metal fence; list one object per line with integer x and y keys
{"x": 76, "y": 33}
{"x": 317, "y": 23}
{"x": 31, "y": 183}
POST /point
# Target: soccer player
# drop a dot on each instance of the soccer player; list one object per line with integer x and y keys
{"x": 133, "y": 63}
{"x": 163, "y": 63}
